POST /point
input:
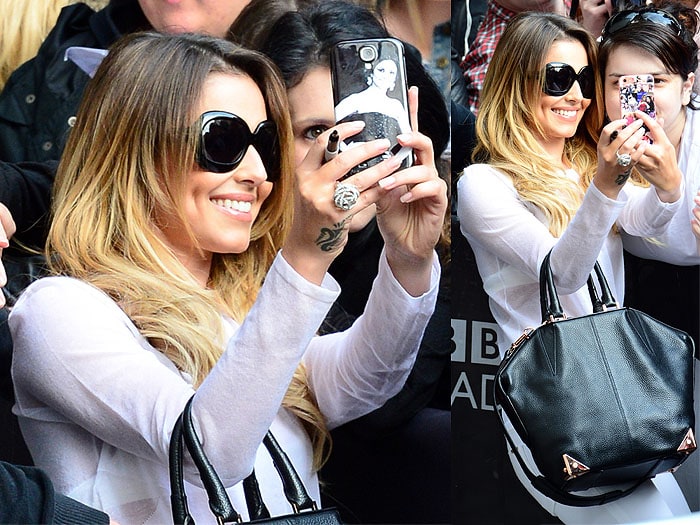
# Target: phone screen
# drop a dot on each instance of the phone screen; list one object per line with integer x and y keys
{"x": 637, "y": 94}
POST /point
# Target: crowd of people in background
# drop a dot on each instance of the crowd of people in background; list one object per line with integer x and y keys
{"x": 143, "y": 266}
{"x": 260, "y": 220}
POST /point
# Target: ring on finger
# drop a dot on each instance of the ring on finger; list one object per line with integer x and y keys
{"x": 345, "y": 196}
{"x": 624, "y": 159}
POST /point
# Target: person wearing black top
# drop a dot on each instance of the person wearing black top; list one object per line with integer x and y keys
{"x": 27, "y": 496}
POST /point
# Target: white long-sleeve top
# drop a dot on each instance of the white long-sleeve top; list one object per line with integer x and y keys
{"x": 510, "y": 239}
{"x": 677, "y": 244}
{"x": 97, "y": 403}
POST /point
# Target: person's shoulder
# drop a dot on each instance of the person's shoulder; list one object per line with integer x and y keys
{"x": 57, "y": 290}
{"x": 394, "y": 101}
{"x": 483, "y": 173}
{"x": 689, "y": 151}
{"x": 72, "y": 28}
{"x": 73, "y": 21}
{"x": 484, "y": 183}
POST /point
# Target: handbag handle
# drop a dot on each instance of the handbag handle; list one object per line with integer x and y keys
{"x": 550, "y": 306}
{"x": 219, "y": 502}
{"x": 178, "y": 498}
{"x": 253, "y": 498}
{"x": 294, "y": 489}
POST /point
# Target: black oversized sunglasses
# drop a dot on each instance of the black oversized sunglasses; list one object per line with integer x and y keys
{"x": 647, "y": 14}
{"x": 560, "y": 77}
{"x": 225, "y": 138}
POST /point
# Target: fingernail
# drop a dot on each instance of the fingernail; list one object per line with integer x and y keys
{"x": 386, "y": 181}
{"x": 406, "y": 197}
{"x": 385, "y": 144}
{"x": 394, "y": 162}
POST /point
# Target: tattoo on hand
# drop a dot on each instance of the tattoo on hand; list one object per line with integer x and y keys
{"x": 622, "y": 177}
{"x": 330, "y": 238}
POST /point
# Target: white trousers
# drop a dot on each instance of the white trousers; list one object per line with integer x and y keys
{"x": 688, "y": 475}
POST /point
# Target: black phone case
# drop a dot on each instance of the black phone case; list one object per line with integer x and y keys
{"x": 369, "y": 84}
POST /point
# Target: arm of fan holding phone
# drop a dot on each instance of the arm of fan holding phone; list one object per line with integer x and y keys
{"x": 410, "y": 203}
{"x": 658, "y": 163}
{"x": 656, "y": 160}
{"x": 411, "y": 206}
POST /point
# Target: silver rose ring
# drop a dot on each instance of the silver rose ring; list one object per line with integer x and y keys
{"x": 623, "y": 160}
{"x": 345, "y": 195}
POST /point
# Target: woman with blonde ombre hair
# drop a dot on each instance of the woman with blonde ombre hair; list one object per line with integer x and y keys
{"x": 549, "y": 176}
{"x": 188, "y": 258}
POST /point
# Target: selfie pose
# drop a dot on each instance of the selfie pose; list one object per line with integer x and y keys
{"x": 189, "y": 258}
{"x": 547, "y": 180}
{"x": 662, "y": 270}
{"x": 366, "y": 474}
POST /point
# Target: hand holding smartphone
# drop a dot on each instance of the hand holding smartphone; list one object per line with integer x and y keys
{"x": 369, "y": 84}
{"x": 637, "y": 94}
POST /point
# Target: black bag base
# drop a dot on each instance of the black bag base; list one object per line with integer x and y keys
{"x": 622, "y": 474}
{"x": 325, "y": 516}
{"x": 614, "y": 479}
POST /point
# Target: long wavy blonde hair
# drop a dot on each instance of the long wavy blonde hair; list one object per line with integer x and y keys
{"x": 128, "y": 155}
{"x": 507, "y": 127}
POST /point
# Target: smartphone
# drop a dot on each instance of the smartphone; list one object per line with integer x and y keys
{"x": 637, "y": 94}
{"x": 369, "y": 84}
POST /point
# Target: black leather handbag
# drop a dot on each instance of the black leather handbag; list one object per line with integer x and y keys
{"x": 305, "y": 509}
{"x": 599, "y": 400}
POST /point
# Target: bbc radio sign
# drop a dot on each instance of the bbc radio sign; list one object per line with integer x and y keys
{"x": 475, "y": 361}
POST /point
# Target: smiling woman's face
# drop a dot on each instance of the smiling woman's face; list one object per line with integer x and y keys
{"x": 312, "y": 110}
{"x": 220, "y": 208}
{"x": 559, "y": 116}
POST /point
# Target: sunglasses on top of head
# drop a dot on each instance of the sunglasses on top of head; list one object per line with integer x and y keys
{"x": 634, "y": 16}
{"x": 224, "y": 140}
{"x": 559, "y": 78}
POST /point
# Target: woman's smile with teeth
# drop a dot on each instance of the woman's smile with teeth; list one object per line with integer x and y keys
{"x": 242, "y": 206}
{"x": 565, "y": 112}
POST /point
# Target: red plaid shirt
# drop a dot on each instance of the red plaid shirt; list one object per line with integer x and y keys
{"x": 477, "y": 59}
